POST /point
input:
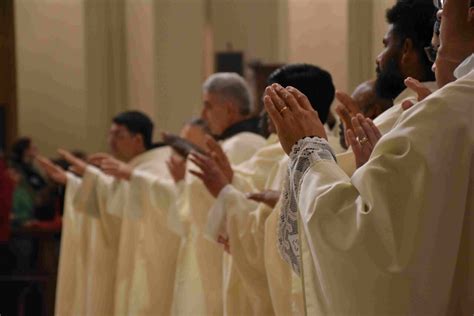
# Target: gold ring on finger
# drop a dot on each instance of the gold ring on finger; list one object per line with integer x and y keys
{"x": 283, "y": 109}
{"x": 362, "y": 140}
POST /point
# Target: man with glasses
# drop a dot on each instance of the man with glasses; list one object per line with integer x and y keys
{"x": 105, "y": 266}
{"x": 432, "y": 49}
{"x": 410, "y": 30}
{"x": 397, "y": 237}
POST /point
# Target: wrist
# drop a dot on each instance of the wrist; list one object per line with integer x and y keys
{"x": 126, "y": 173}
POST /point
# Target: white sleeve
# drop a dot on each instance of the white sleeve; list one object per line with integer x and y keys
{"x": 230, "y": 201}
{"x": 394, "y": 217}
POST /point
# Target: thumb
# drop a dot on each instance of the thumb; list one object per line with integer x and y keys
{"x": 407, "y": 104}
{"x": 421, "y": 90}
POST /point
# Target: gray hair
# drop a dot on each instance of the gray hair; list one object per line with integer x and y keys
{"x": 230, "y": 85}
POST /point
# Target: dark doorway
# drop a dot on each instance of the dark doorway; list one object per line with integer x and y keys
{"x": 8, "y": 112}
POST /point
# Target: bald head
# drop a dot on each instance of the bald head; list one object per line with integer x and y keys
{"x": 369, "y": 103}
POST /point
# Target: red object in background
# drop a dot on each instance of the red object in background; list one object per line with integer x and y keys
{"x": 6, "y": 197}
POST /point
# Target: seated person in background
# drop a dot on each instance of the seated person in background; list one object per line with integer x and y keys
{"x": 7, "y": 186}
{"x": 33, "y": 197}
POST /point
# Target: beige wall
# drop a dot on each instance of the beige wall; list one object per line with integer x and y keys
{"x": 178, "y": 58}
{"x": 380, "y": 24}
{"x": 317, "y": 34}
{"x": 50, "y": 69}
{"x": 140, "y": 57}
{"x": 82, "y": 61}
{"x": 361, "y": 60}
{"x": 251, "y": 26}
{"x": 105, "y": 67}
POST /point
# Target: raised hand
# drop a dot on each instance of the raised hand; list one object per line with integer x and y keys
{"x": 347, "y": 109}
{"x": 176, "y": 167}
{"x": 116, "y": 168}
{"x": 53, "y": 171}
{"x": 97, "y": 158}
{"x": 268, "y": 197}
{"x": 292, "y": 114}
{"x": 421, "y": 90}
{"x": 211, "y": 175}
{"x": 362, "y": 138}
{"x": 78, "y": 166}
{"x": 216, "y": 152}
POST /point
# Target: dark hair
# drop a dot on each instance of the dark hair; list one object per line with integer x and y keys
{"x": 18, "y": 149}
{"x": 415, "y": 19}
{"x": 137, "y": 123}
{"x": 314, "y": 82}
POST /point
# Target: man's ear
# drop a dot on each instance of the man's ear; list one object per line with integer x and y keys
{"x": 408, "y": 51}
{"x": 139, "y": 139}
{"x": 232, "y": 109}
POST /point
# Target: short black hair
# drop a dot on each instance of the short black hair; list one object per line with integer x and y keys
{"x": 415, "y": 19}
{"x": 314, "y": 82}
{"x": 137, "y": 123}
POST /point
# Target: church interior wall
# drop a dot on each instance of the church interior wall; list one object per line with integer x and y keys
{"x": 168, "y": 47}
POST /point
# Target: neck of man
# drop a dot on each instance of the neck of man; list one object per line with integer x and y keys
{"x": 418, "y": 72}
{"x": 245, "y": 125}
{"x": 137, "y": 152}
{"x": 235, "y": 120}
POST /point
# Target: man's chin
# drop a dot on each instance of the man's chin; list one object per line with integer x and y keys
{"x": 388, "y": 89}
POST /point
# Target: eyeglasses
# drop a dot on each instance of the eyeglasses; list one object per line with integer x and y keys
{"x": 438, "y": 4}
{"x": 431, "y": 53}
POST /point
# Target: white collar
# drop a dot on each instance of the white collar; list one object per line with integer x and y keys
{"x": 465, "y": 67}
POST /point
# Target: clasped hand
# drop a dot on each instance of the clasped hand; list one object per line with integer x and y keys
{"x": 292, "y": 114}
